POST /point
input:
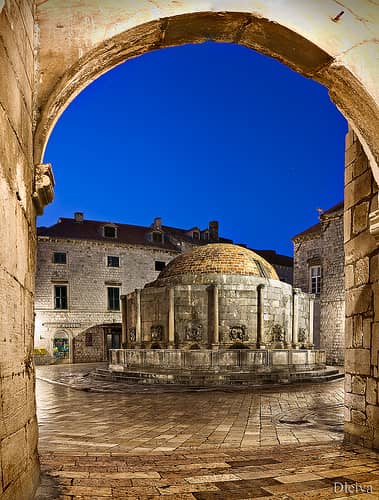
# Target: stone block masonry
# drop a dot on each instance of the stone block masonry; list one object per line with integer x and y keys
{"x": 332, "y": 296}
{"x": 362, "y": 302}
{"x": 18, "y": 425}
{"x": 322, "y": 246}
{"x": 87, "y": 277}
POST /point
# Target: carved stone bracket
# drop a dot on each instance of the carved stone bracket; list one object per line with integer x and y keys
{"x": 43, "y": 187}
{"x": 238, "y": 333}
{"x": 374, "y": 225}
{"x": 132, "y": 334}
{"x": 194, "y": 331}
{"x": 302, "y": 336}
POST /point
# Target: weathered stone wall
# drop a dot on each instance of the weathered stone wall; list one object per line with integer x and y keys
{"x": 362, "y": 300}
{"x": 192, "y": 311}
{"x": 307, "y": 250}
{"x": 323, "y": 245}
{"x": 332, "y": 297}
{"x": 88, "y": 352}
{"x": 237, "y": 310}
{"x": 304, "y": 306}
{"x": 18, "y": 425}
{"x": 87, "y": 276}
{"x": 238, "y": 307}
{"x": 154, "y": 312}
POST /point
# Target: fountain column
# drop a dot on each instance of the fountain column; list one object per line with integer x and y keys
{"x": 171, "y": 318}
{"x": 138, "y": 319}
{"x": 295, "y": 318}
{"x": 124, "y": 332}
{"x": 311, "y": 314}
{"x": 216, "y": 331}
{"x": 260, "y": 317}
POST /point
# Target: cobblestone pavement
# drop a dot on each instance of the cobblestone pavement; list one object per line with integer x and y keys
{"x": 150, "y": 442}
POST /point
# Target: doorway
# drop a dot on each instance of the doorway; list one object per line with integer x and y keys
{"x": 112, "y": 339}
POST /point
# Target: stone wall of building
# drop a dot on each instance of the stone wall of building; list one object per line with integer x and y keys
{"x": 306, "y": 251}
{"x": 332, "y": 296}
{"x": 362, "y": 298}
{"x": 322, "y": 245}
{"x": 89, "y": 346}
{"x": 18, "y": 425}
{"x": 87, "y": 277}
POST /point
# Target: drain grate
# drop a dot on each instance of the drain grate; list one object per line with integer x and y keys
{"x": 293, "y": 422}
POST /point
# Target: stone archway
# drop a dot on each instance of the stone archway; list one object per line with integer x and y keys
{"x": 326, "y": 49}
{"x": 50, "y": 50}
{"x": 337, "y": 49}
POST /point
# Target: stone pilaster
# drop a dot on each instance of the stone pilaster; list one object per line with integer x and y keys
{"x": 311, "y": 314}
{"x": 138, "y": 319}
{"x": 261, "y": 343}
{"x": 124, "y": 331}
{"x": 295, "y": 317}
{"x": 215, "y": 325}
{"x": 171, "y": 318}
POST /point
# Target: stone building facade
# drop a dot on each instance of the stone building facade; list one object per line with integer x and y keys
{"x": 319, "y": 269}
{"x": 83, "y": 269}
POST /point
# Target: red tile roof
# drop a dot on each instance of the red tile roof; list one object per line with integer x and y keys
{"x": 126, "y": 233}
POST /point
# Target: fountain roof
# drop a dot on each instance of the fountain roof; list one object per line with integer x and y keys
{"x": 218, "y": 258}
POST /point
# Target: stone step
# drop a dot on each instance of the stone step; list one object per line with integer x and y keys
{"x": 198, "y": 379}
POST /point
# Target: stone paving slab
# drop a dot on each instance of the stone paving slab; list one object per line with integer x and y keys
{"x": 279, "y": 442}
{"x": 184, "y": 420}
{"x": 279, "y": 472}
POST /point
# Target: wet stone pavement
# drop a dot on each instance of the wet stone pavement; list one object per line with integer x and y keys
{"x": 106, "y": 440}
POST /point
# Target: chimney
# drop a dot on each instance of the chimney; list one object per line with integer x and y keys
{"x": 78, "y": 216}
{"x": 157, "y": 224}
{"x": 213, "y": 230}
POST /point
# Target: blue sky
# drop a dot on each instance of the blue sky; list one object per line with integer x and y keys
{"x": 201, "y": 132}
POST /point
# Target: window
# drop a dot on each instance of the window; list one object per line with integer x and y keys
{"x": 60, "y": 296}
{"x": 205, "y": 236}
{"x": 159, "y": 265}
{"x": 113, "y": 298}
{"x": 195, "y": 235}
{"x": 315, "y": 279}
{"x": 157, "y": 237}
{"x": 113, "y": 261}
{"x": 109, "y": 232}
{"x": 60, "y": 258}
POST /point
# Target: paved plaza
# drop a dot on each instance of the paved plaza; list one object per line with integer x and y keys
{"x": 100, "y": 440}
